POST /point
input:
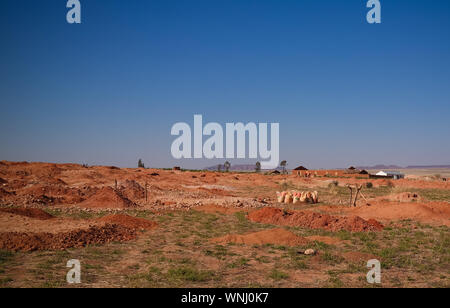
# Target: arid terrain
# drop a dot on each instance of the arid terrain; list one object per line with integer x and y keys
{"x": 173, "y": 228}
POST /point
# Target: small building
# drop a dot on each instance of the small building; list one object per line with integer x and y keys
{"x": 388, "y": 175}
{"x": 365, "y": 172}
{"x": 301, "y": 168}
{"x": 298, "y": 170}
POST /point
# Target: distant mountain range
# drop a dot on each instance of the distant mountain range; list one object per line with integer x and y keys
{"x": 381, "y": 167}
{"x": 251, "y": 167}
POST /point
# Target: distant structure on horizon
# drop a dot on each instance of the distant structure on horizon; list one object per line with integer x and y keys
{"x": 388, "y": 175}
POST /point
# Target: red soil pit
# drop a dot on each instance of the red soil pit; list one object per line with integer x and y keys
{"x": 314, "y": 220}
{"x": 274, "y": 236}
{"x": 32, "y": 213}
{"x": 129, "y": 222}
{"x": 74, "y": 239}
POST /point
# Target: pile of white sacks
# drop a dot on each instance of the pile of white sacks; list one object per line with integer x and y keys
{"x": 298, "y": 197}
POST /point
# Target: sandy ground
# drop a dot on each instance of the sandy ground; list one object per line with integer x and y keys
{"x": 17, "y": 223}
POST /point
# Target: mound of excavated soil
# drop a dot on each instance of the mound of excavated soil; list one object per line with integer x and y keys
{"x": 4, "y": 193}
{"x": 73, "y": 239}
{"x": 435, "y": 213}
{"x": 107, "y": 197}
{"x": 274, "y": 236}
{"x": 132, "y": 190}
{"x": 313, "y": 220}
{"x": 32, "y": 213}
{"x": 129, "y": 222}
{"x": 59, "y": 194}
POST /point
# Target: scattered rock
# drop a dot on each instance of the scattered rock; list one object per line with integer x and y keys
{"x": 309, "y": 252}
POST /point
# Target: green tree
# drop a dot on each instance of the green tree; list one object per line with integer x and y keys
{"x": 219, "y": 168}
{"x": 140, "y": 164}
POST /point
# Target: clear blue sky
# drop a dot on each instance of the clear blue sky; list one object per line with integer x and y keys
{"x": 108, "y": 91}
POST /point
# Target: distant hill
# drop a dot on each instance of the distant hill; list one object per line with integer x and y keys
{"x": 429, "y": 167}
{"x": 382, "y": 167}
{"x": 251, "y": 167}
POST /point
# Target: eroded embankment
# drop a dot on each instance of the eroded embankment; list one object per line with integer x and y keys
{"x": 16, "y": 241}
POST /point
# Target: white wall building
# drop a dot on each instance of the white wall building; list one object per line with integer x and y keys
{"x": 391, "y": 174}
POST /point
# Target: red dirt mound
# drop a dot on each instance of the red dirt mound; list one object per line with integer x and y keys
{"x": 274, "y": 236}
{"x": 107, "y": 197}
{"x": 435, "y": 213}
{"x": 132, "y": 190}
{"x": 129, "y": 222}
{"x": 314, "y": 220}
{"x": 59, "y": 194}
{"x": 74, "y": 239}
{"x": 32, "y": 213}
{"x": 4, "y": 193}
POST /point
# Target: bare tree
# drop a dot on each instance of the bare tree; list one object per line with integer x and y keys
{"x": 283, "y": 165}
{"x": 258, "y": 167}
{"x": 227, "y": 166}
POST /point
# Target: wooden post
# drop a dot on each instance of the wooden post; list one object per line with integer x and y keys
{"x": 358, "y": 190}
{"x": 146, "y": 192}
{"x": 351, "y": 193}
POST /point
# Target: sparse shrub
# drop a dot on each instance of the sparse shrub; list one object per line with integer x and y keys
{"x": 390, "y": 184}
{"x": 369, "y": 185}
{"x": 278, "y": 275}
